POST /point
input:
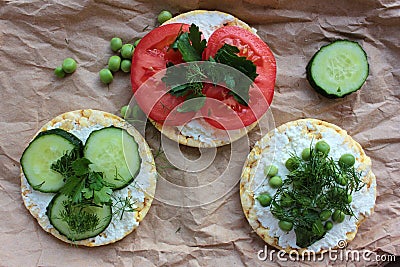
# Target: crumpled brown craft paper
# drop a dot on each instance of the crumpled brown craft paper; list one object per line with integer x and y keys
{"x": 35, "y": 36}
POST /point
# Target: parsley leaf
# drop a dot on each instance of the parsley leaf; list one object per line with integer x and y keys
{"x": 192, "y": 105}
{"x": 190, "y": 44}
{"x": 73, "y": 188}
{"x": 186, "y": 80}
{"x": 103, "y": 195}
{"x": 227, "y": 55}
{"x": 81, "y": 166}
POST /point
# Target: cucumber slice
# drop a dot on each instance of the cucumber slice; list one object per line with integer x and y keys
{"x": 42, "y": 152}
{"x": 77, "y": 222}
{"x": 338, "y": 69}
{"x": 114, "y": 152}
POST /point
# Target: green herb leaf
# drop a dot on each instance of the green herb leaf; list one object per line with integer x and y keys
{"x": 195, "y": 37}
{"x": 78, "y": 220}
{"x": 227, "y": 55}
{"x": 314, "y": 186}
{"x": 102, "y": 196}
{"x": 73, "y": 188}
{"x": 193, "y": 105}
{"x": 64, "y": 164}
{"x": 81, "y": 166}
{"x": 190, "y": 44}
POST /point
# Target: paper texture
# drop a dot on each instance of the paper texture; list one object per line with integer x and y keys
{"x": 35, "y": 36}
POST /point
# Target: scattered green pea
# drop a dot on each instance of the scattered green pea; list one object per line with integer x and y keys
{"x": 114, "y": 63}
{"x": 123, "y": 111}
{"x": 325, "y": 215}
{"x": 59, "y": 72}
{"x": 347, "y": 160}
{"x": 338, "y": 216}
{"x": 69, "y": 65}
{"x": 328, "y": 225}
{"x": 106, "y": 76}
{"x": 285, "y": 225}
{"x": 164, "y": 16}
{"x": 306, "y": 154}
{"x": 275, "y": 182}
{"x": 322, "y": 147}
{"x": 126, "y": 65}
{"x": 264, "y": 199}
{"x": 292, "y": 163}
{"x": 136, "y": 42}
{"x": 271, "y": 170}
{"x": 127, "y": 51}
{"x": 115, "y": 44}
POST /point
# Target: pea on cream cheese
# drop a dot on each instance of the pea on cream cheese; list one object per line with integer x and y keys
{"x": 275, "y": 149}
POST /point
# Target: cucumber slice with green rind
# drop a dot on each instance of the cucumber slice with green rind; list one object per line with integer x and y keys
{"x": 42, "y": 152}
{"x": 338, "y": 69}
{"x": 73, "y": 221}
{"x": 115, "y": 153}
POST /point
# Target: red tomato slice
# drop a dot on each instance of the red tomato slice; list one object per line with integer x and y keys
{"x": 227, "y": 113}
{"x": 150, "y": 57}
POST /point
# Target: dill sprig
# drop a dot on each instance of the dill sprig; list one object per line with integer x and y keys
{"x": 317, "y": 184}
{"x": 78, "y": 220}
{"x": 122, "y": 205}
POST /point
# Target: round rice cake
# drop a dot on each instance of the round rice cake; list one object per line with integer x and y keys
{"x": 198, "y": 133}
{"x": 275, "y": 148}
{"x": 81, "y": 123}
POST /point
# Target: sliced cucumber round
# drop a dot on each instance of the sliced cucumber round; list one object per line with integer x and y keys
{"x": 114, "y": 152}
{"x": 338, "y": 69}
{"x": 42, "y": 152}
{"x": 77, "y": 221}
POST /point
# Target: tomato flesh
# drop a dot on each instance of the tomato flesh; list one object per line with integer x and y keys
{"x": 226, "y": 112}
{"x": 150, "y": 58}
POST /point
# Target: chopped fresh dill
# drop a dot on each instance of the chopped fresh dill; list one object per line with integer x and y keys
{"x": 78, "y": 220}
{"x": 122, "y": 205}
{"x": 317, "y": 184}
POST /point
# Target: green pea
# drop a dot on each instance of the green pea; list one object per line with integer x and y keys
{"x": 322, "y": 147}
{"x": 106, "y": 76}
{"x": 164, "y": 16}
{"x": 349, "y": 199}
{"x": 306, "y": 154}
{"x": 59, "y": 72}
{"x": 338, "y": 216}
{"x": 264, "y": 199}
{"x": 114, "y": 63}
{"x": 271, "y": 170}
{"x": 115, "y": 44}
{"x": 342, "y": 179}
{"x": 123, "y": 111}
{"x": 286, "y": 200}
{"x": 325, "y": 215}
{"x": 328, "y": 225}
{"x": 127, "y": 51}
{"x": 69, "y": 65}
{"x": 285, "y": 225}
{"x": 275, "y": 182}
{"x": 347, "y": 160}
{"x": 126, "y": 65}
{"x": 292, "y": 164}
{"x": 136, "y": 42}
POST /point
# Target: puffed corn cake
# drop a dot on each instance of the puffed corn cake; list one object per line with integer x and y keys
{"x": 81, "y": 123}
